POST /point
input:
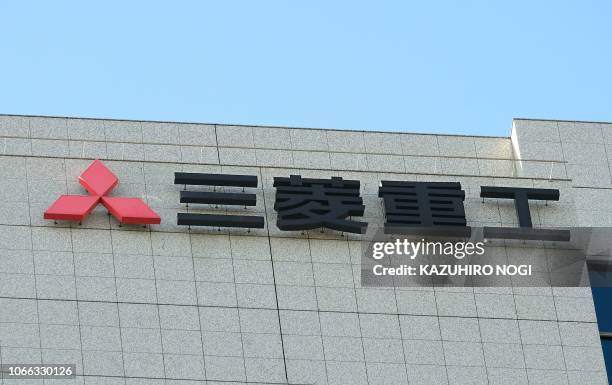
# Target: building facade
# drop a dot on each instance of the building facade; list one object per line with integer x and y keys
{"x": 184, "y": 305}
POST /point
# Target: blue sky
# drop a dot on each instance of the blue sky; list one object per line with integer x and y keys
{"x": 465, "y": 67}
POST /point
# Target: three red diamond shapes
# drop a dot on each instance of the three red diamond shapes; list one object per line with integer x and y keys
{"x": 99, "y": 181}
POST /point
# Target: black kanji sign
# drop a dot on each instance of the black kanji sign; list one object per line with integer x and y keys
{"x": 306, "y": 204}
{"x": 424, "y": 208}
{"x": 434, "y": 208}
{"x": 521, "y": 196}
{"x": 215, "y": 197}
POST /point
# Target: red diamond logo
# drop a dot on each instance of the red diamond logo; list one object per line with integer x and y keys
{"x": 99, "y": 181}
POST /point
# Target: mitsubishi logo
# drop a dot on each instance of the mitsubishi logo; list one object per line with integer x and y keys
{"x": 99, "y": 181}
